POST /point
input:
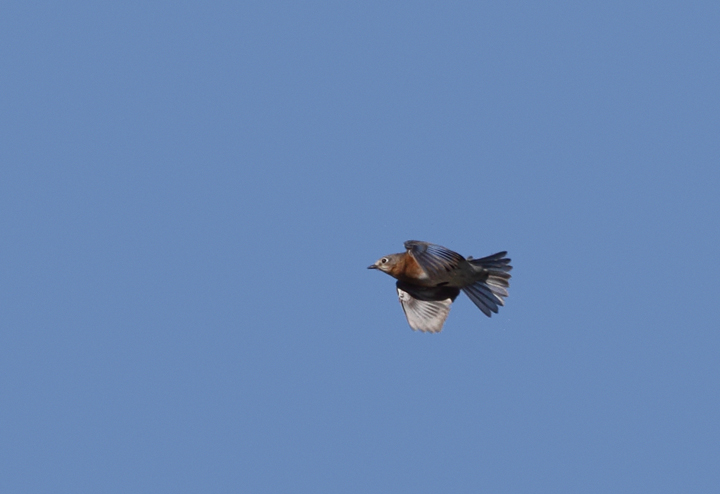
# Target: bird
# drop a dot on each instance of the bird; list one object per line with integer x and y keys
{"x": 430, "y": 277}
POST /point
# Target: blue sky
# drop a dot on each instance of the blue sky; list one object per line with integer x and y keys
{"x": 191, "y": 192}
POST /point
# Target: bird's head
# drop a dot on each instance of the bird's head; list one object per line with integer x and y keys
{"x": 387, "y": 263}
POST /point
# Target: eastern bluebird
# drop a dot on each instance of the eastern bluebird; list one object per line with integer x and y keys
{"x": 430, "y": 277}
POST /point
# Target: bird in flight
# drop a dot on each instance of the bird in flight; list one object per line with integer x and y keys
{"x": 430, "y": 277}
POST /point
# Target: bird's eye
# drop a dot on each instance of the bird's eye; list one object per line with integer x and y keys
{"x": 384, "y": 260}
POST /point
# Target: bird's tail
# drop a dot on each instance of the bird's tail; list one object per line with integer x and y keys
{"x": 488, "y": 293}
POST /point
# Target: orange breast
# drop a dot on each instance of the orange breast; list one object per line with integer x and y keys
{"x": 409, "y": 270}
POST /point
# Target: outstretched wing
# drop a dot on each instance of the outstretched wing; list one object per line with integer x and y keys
{"x": 434, "y": 259}
{"x": 426, "y": 308}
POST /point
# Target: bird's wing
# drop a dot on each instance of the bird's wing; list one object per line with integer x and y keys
{"x": 422, "y": 315}
{"x": 434, "y": 259}
{"x": 426, "y": 308}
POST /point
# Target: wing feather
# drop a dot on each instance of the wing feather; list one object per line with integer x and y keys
{"x": 434, "y": 259}
{"x": 426, "y": 308}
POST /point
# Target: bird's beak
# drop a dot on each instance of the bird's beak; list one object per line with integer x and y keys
{"x": 374, "y": 266}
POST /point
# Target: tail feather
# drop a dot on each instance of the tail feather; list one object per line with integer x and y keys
{"x": 496, "y": 261}
{"x": 488, "y": 293}
{"x": 481, "y": 296}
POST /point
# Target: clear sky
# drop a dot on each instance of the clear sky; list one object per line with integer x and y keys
{"x": 191, "y": 193}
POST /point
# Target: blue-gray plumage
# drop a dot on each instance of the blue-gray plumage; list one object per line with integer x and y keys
{"x": 430, "y": 277}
